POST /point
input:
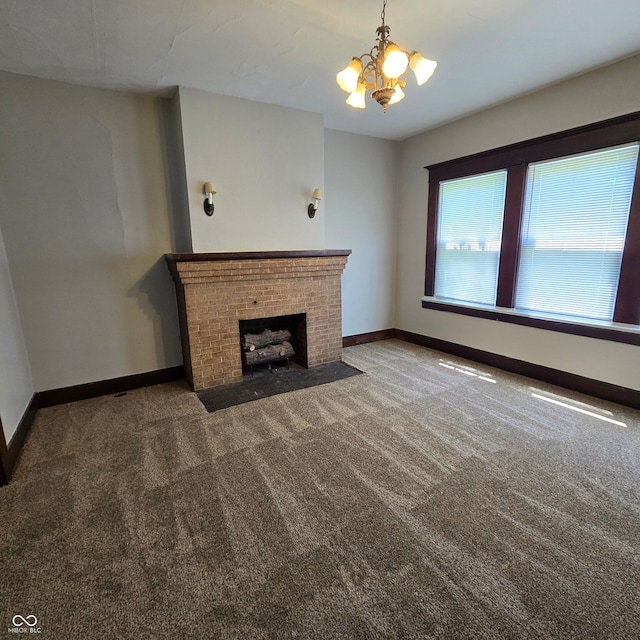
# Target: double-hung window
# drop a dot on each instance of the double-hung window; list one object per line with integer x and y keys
{"x": 469, "y": 232}
{"x": 546, "y": 232}
{"x": 573, "y": 229}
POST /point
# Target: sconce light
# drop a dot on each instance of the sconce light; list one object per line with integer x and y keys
{"x": 209, "y": 191}
{"x": 313, "y": 205}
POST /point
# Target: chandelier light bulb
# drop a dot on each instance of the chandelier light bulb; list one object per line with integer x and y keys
{"x": 356, "y": 99}
{"x": 422, "y": 67}
{"x": 347, "y": 79}
{"x": 398, "y": 95}
{"x": 395, "y": 61}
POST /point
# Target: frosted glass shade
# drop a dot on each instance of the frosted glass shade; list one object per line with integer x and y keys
{"x": 347, "y": 79}
{"x": 356, "y": 99}
{"x": 422, "y": 67}
{"x": 398, "y": 95}
{"x": 395, "y": 61}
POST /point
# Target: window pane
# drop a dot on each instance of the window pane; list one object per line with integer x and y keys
{"x": 470, "y": 213}
{"x": 574, "y": 223}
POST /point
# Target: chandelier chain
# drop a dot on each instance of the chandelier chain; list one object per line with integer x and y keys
{"x": 383, "y": 13}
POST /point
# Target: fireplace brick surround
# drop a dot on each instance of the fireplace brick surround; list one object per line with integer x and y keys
{"x": 217, "y": 290}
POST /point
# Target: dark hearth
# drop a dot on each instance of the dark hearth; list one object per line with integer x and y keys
{"x": 271, "y": 384}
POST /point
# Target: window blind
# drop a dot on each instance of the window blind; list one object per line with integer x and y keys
{"x": 469, "y": 234}
{"x": 573, "y": 230}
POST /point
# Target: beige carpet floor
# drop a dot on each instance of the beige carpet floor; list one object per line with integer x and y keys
{"x": 428, "y": 498}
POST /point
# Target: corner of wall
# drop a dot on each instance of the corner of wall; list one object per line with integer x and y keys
{"x": 16, "y": 381}
{"x": 176, "y": 173}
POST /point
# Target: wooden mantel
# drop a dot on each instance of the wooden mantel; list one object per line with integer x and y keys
{"x": 254, "y": 255}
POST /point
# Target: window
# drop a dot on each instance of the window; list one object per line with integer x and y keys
{"x": 469, "y": 232}
{"x": 572, "y": 234}
{"x": 545, "y": 232}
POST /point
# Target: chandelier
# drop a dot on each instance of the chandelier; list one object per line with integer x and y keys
{"x": 385, "y": 72}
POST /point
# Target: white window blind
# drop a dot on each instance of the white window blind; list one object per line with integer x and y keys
{"x": 470, "y": 214}
{"x": 573, "y": 230}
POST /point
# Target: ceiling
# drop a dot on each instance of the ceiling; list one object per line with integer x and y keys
{"x": 287, "y": 52}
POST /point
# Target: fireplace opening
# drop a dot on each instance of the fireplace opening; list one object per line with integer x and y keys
{"x": 271, "y": 342}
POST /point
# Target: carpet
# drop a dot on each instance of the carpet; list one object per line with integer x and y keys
{"x": 430, "y": 498}
{"x": 265, "y": 384}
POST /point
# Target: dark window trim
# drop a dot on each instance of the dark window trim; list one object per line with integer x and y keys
{"x": 432, "y": 238}
{"x": 598, "y": 135}
{"x": 508, "y": 266}
{"x": 515, "y": 158}
{"x": 627, "y": 308}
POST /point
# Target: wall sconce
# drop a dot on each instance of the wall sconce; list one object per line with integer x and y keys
{"x": 209, "y": 191}
{"x": 313, "y": 205}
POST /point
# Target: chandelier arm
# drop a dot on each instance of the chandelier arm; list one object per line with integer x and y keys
{"x": 367, "y": 69}
{"x": 368, "y": 55}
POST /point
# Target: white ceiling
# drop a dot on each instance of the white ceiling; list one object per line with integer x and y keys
{"x": 288, "y": 51}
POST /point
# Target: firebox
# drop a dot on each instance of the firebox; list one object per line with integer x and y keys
{"x": 290, "y": 330}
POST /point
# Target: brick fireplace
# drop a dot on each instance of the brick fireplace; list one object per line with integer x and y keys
{"x": 216, "y": 291}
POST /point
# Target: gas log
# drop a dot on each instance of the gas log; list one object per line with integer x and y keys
{"x": 270, "y": 353}
{"x": 253, "y": 341}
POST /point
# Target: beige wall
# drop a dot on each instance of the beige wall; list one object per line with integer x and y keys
{"x": 264, "y": 160}
{"x": 601, "y": 94}
{"x": 85, "y": 219}
{"x": 360, "y": 212}
{"x": 98, "y": 185}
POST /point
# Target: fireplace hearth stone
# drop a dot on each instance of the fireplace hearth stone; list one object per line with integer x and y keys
{"x": 270, "y": 384}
